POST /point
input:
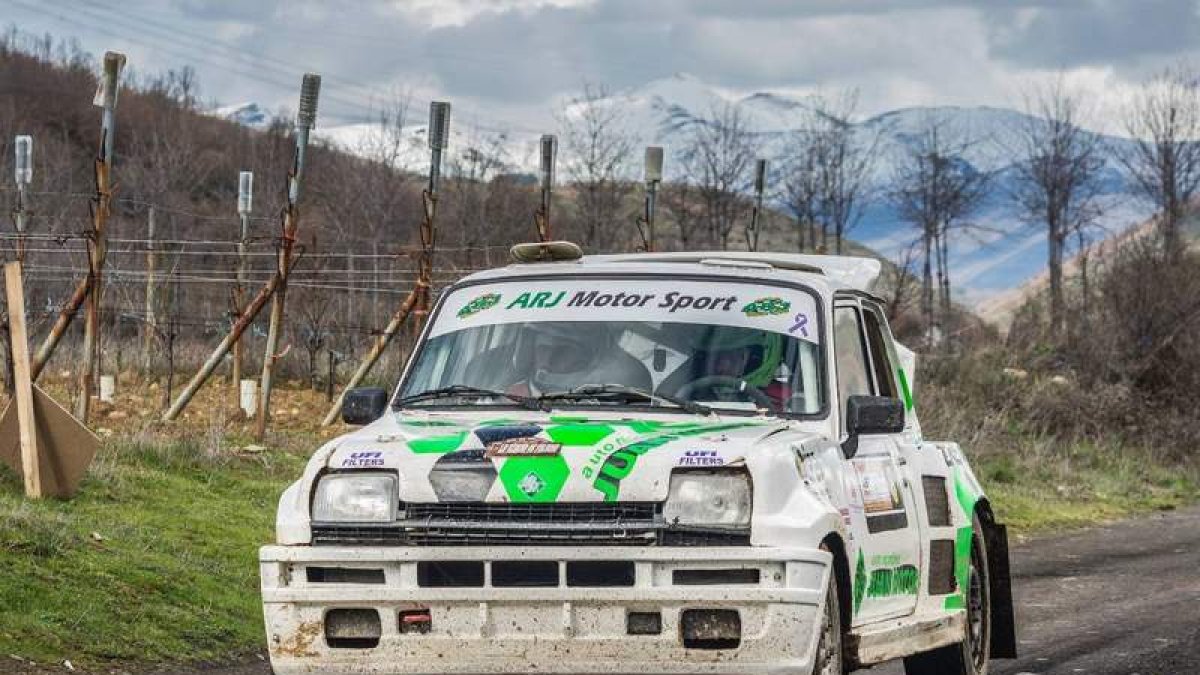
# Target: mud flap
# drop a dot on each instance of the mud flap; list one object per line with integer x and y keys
{"x": 1004, "y": 631}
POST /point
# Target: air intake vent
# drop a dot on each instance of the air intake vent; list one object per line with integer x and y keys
{"x": 937, "y": 500}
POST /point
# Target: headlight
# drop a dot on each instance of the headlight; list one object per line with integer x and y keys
{"x": 709, "y": 499}
{"x": 355, "y": 498}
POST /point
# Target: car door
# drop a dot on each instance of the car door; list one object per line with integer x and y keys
{"x": 887, "y": 561}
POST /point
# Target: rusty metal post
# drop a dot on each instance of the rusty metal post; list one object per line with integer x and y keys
{"x": 305, "y": 120}
{"x": 416, "y": 302}
{"x": 97, "y": 238}
{"x": 245, "y": 206}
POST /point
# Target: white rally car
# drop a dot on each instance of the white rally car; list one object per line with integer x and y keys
{"x": 647, "y": 463}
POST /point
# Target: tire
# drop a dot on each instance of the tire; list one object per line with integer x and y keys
{"x": 970, "y": 656}
{"x": 829, "y": 659}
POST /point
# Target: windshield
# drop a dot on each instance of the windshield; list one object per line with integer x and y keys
{"x": 662, "y": 343}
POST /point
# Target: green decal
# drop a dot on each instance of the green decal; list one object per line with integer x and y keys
{"x": 889, "y": 581}
{"x": 619, "y": 464}
{"x": 534, "y": 479}
{"x": 908, "y": 399}
{"x": 479, "y": 304}
{"x": 767, "y": 307}
{"x": 539, "y": 300}
{"x": 860, "y": 582}
{"x": 962, "y": 568}
{"x": 962, "y": 542}
{"x": 437, "y": 444}
{"x": 579, "y": 434}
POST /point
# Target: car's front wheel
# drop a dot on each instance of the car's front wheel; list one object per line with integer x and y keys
{"x": 829, "y": 647}
{"x": 969, "y": 657}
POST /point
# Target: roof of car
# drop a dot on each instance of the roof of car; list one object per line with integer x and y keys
{"x": 839, "y": 272}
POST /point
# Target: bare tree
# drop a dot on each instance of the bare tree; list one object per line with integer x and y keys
{"x": 468, "y": 197}
{"x": 597, "y": 147}
{"x": 1058, "y": 178}
{"x": 678, "y": 199}
{"x": 936, "y": 190}
{"x": 830, "y": 170}
{"x": 716, "y": 158}
{"x": 1164, "y": 159}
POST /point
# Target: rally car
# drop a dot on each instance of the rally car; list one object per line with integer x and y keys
{"x": 644, "y": 463}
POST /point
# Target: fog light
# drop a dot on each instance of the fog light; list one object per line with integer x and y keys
{"x": 352, "y": 628}
{"x": 710, "y": 628}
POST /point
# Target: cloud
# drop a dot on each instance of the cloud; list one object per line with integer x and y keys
{"x": 514, "y": 59}
{"x": 1093, "y": 32}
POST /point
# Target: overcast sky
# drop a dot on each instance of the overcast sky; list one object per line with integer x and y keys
{"x": 512, "y": 60}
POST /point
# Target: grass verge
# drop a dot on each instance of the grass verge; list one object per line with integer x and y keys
{"x": 154, "y": 560}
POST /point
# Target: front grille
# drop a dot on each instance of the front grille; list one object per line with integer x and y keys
{"x": 568, "y": 512}
{"x": 562, "y": 524}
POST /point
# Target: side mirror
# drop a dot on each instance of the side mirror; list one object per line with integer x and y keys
{"x": 871, "y": 415}
{"x": 364, "y": 405}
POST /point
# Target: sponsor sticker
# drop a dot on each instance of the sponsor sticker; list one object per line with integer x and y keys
{"x": 701, "y": 458}
{"x": 524, "y": 447}
{"x": 767, "y": 307}
{"x": 479, "y": 304}
{"x": 364, "y": 459}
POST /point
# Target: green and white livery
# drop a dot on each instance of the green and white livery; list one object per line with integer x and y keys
{"x": 652, "y": 463}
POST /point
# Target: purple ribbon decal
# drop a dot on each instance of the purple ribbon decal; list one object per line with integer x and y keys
{"x": 800, "y": 325}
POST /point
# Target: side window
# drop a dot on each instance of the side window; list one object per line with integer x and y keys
{"x": 853, "y": 375}
{"x": 881, "y": 359}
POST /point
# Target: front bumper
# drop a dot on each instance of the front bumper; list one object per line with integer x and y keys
{"x": 559, "y": 627}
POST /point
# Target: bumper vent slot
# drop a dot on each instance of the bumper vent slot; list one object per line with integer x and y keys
{"x": 749, "y": 576}
{"x": 524, "y": 574}
{"x": 343, "y": 575}
{"x": 600, "y": 573}
{"x": 450, "y": 574}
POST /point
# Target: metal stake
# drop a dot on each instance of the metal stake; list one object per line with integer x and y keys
{"x": 305, "y": 120}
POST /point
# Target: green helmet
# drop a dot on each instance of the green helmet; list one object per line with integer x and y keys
{"x": 766, "y": 347}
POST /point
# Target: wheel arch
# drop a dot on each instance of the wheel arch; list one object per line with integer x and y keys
{"x": 1003, "y": 620}
{"x": 841, "y": 574}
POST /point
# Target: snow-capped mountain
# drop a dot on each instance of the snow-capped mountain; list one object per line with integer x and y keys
{"x": 1000, "y": 253}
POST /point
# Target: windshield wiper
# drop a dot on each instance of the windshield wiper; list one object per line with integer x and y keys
{"x": 605, "y": 390}
{"x": 456, "y": 390}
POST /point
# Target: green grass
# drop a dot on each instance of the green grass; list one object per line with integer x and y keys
{"x": 155, "y": 559}
{"x": 1096, "y": 485}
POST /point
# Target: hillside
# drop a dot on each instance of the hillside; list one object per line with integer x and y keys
{"x": 1000, "y": 309}
{"x": 998, "y": 254}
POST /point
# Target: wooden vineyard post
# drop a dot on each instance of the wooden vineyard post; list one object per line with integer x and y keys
{"x": 23, "y": 384}
{"x": 98, "y": 236}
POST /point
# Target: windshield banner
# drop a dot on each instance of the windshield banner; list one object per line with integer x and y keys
{"x": 780, "y": 310}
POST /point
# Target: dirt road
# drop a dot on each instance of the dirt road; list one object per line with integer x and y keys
{"x": 1120, "y": 599}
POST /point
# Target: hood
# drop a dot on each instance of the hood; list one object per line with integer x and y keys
{"x": 445, "y": 458}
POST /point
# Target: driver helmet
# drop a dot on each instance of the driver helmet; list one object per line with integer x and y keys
{"x": 755, "y": 353}
{"x": 566, "y": 355}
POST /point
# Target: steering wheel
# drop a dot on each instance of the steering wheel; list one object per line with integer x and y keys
{"x": 725, "y": 382}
